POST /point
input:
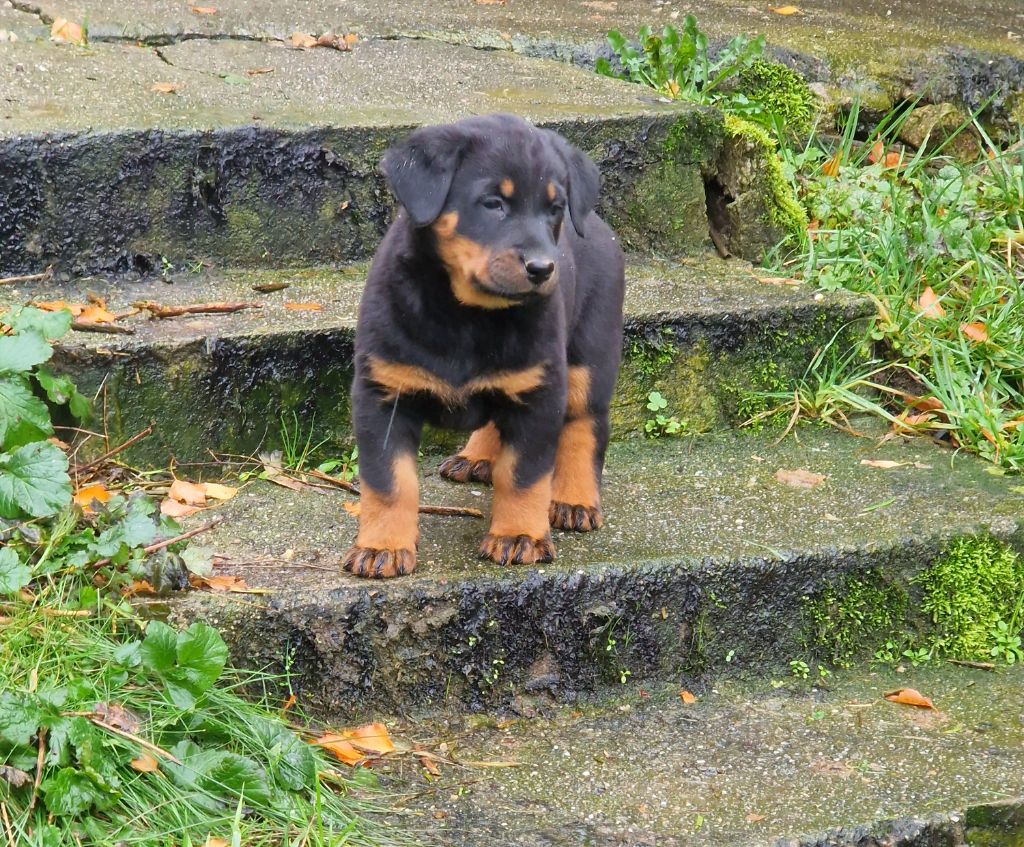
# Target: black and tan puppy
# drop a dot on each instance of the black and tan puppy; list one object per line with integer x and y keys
{"x": 493, "y": 304}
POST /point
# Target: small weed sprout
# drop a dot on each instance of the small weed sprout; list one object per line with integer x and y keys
{"x": 662, "y": 424}
{"x": 799, "y": 668}
{"x": 1006, "y": 645}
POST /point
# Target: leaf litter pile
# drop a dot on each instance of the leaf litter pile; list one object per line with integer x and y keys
{"x": 119, "y": 729}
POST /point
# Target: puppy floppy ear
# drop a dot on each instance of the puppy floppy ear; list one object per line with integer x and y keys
{"x": 584, "y": 180}
{"x": 421, "y": 169}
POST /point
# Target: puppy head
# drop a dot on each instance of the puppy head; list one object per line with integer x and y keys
{"x": 495, "y": 191}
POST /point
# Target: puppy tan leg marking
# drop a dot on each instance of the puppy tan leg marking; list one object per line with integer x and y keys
{"x": 576, "y": 495}
{"x": 519, "y": 533}
{"x": 475, "y": 460}
{"x": 388, "y": 531}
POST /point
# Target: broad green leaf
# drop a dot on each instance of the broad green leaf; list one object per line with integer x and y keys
{"x": 34, "y": 480}
{"x": 240, "y": 777}
{"x": 14, "y": 574}
{"x": 71, "y": 792}
{"x": 291, "y": 760}
{"x": 22, "y": 352}
{"x": 129, "y": 654}
{"x": 19, "y": 719}
{"x": 202, "y": 655}
{"x": 51, "y": 325}
{"x": 61, "y": 390}
{"x": 198, "y": 559}
{"x": 138, "y": 527}
{"x": 159, "y": 648}
{"x": 18, "y": 407}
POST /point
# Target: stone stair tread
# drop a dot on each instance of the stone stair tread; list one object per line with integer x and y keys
{"x": 381, "y": 84}
{"x": 709, "y": 502}
{"x": 696, "y": 289}
{"x": 746, "y": 765}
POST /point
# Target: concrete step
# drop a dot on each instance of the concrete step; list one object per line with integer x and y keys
{"x": 702, "y": 331}
{"x": 702, "y": 567}
{"x": 267, "y": 155}
{"x": 747, "y": 765}
{"x": 943, "y": 49}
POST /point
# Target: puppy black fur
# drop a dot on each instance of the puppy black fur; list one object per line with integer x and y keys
{"x": 493, "y": 304}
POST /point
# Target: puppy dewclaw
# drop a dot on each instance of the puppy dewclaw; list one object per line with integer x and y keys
{"x": 493, "y": 306}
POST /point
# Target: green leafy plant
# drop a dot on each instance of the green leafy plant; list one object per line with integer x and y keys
{"x": 662, "y": 424}
{"x": 34, "y": 478}
{"x": 679, "y": 64}
{"x": 799, "y": 668}
{"x": 1006, "y": 644}
{"x": 297, "y": 442}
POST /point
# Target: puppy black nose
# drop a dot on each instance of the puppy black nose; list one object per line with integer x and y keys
{"x": 539, "y": 270}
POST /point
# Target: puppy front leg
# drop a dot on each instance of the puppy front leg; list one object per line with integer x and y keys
{"x": 520, "y": 533}
{"x": 388, "y": 439}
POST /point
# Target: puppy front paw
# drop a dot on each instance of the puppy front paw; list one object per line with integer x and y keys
{"x": 517, "y": 549}
{"x": 575, "y": 518}
{"x": 378, "y": 564}
{"x": 459, "y": 468}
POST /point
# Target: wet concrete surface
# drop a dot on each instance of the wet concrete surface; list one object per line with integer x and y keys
{"x": 884, "y": 30}
{"x": 687, "y": 290}
{"x": 746, "y": 764}
{"x": 701, "y": 567}
{"x": 52, "y": 88}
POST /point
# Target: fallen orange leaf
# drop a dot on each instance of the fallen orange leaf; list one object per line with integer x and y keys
{"x": 140, "y": 586}
{"x": 876, "y": 152}
{"x": 799, "y": 478}
{"x": 909, "y": 697}
{"x": 95, "y": 493}
{"x": 165, "y": 87}
{"x": 926, "y": 404}
{"x": 218, "y": 491}
{"x": 175, "y": 509}
{"x": 892, "y": 160}
{"x": 65, "y": 31}
{"x": 785, "y": 10}
{"x": 187, "y": 492}
{"x": 288, "y": 703}
{"x": 58, "y": 305}
{"x": 752, "y": 818}
{"x": 301, "y": 40}
{"x": 202, "y": 10}
{"x": 975, "y": 331}
{"x": 97, "y": 314}
{"x": 928, "y": 304}
{"x": 831, "y": 167}
{"x": 222, "y": 582}
{"x": 429, "y": 765}
{"x": 303, "y": 307}
{"x": 687, "y": 698}
{"x": 144, "y": 764}
{"x": 353, "y": 745}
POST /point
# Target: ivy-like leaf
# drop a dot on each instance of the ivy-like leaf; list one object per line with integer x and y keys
{"x": 14, "y": 574}
{"x": 71, "y": 792}
{"x": 18, "y": 406}
{"x": 158, "y": 648}
{"x": 62, "y": 391}
{"x": 19, "y": 719}
{"x": 22, "y": 352}
{"x": 34, "y": 480}
{"x": 202, "y": 655}
{"x": 51, "y": 325}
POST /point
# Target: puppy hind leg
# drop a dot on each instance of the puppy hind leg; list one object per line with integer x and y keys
{"x": 475, "y": 461}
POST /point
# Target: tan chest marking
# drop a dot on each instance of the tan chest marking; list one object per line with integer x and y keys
{"x": 401, "y": 379}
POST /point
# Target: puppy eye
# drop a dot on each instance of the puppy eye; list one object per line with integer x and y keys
{"x": 556, "y": 210}
{"x": 493, "y": 203}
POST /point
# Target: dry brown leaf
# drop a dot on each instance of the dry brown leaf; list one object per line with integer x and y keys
{"x": 892, "y": 160}
{"x": 14, "y": 777}
{"x": 351, "y": 508}
{"x": 288, "y": 703}
{"x": 140, "y": 586}
{"x": 218, "y": 491}
{"x": 222, "y": 582}
{"x": 57, "y": 305}
{"x": 144, "y": 764}
{"x": 876, "y": 153}
{"x": 884, "y": 464}
{"x": 429, "y": 765}
{"x": 65, "y": 31}
{"x": 831, "y": 167}
{"x": 166, "y": 87}
{"x": 975, "y": 331}
{"x": 176, "y": 509}
{"x": 337, "y": 42}
{"x": 187, "y": 492}
{"x": 909, "y": 697}
{"x": 687, "y": 698}
{"x": 118, "y": 717}
{"x": 213, "y": 841}
{"x": 785, "y": 10}
{"x": 96, "y": 493}
{"x": 303, "y": 307}
{"x": 928, "y": 304}
{"x": 202, "y": 10}
{"x": 301, "y": 40}
{"x": 799, "y": 478}
{"x": 926, "y": 404}
{"x": 258, "y": 71}
{"x": 752, "y": 818}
